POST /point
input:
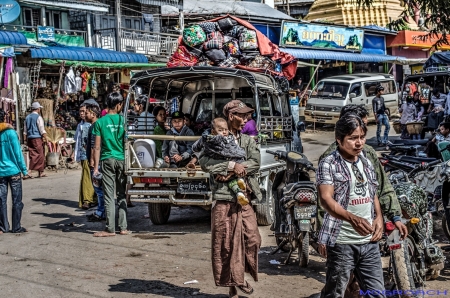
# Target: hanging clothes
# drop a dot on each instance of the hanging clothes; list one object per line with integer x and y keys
{"x": 94, "y": 91}
{"x": 78, "y": 81}
{"x": 8, "y": 71}
{"x": 70, "y": 86}
{"x": 86, "y": 78}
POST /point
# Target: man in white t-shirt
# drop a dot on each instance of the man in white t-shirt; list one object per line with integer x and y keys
{"x": 353, "y": 223}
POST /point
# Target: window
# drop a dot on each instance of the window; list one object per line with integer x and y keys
{"x": 389, "y": 87}
{"x": 128, "y": 23}
{"x": 28, "y": 17}
{"x": 56, "y": 20}
{"x": 330, "y": 90}
{"x": 356, "y": 88}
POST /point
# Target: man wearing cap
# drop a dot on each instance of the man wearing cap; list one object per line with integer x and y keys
{"x": 379, "y": 110}
{"x": 235, "y": 236}
{"x": 178, "y": 153}
{"x": 35, "y": 136}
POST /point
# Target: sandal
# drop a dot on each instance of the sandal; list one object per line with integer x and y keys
{"x": 246, "y": 288}
{"x": 125, "y": 232}
{"x": 104, "y": 234}
{"x": 85, "y": 206}
{"x": 27, "y": 177}
{"x": 94, "y": 218}
{"x": 42, "y": 175}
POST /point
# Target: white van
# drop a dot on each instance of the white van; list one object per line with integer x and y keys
{"x": 331, "y": 94}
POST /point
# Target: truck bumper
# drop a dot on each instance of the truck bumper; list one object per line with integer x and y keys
{"x": 167, "y": 196}
{"x": 321, "y": 117}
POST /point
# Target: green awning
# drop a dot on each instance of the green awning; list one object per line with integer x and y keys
{"x": 103, "y": 64}
{"x": 67, "y": 40}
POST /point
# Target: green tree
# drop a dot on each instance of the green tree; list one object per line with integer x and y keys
{"x": 434, "y": 13}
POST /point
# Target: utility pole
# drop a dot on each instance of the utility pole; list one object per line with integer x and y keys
{"x": 118, "y": 25}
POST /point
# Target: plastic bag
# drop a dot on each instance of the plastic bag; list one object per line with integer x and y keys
{"x": 182, "y": 57}
{"x": 194, "y": 35}
{"x": 247, "y": 40}
{"x": 214, "y": 40}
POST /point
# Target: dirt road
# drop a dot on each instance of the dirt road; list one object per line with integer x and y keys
{"x": 60, "y": 258}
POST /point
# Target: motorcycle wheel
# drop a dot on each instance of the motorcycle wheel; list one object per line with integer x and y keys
{"x": 284, "y": 248}
{"x": 445, "y": 227}
{"x": 403, "y": 269}
{"x": 303, "y": 249}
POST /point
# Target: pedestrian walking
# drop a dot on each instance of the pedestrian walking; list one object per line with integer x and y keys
{"x": 12, "y": 164}
{"x": 109, "y": 149}
{"x": 235, "y": 237}
{"x": 379, "y": 110}
{"x": 86, "y": 198}
{"x": 353, "y": 222}
{"x": 35, "y": 136}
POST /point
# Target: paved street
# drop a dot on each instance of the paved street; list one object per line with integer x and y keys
{"x": 60, "y": 258}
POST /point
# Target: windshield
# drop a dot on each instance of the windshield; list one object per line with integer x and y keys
{"x": 331, "y": 90}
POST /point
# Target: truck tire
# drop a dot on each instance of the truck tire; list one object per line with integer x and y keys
{"x": 159, "y": 213}
{"x": 265, "y": 213}
{"x": 402, "y": 269}
{"x": 303, "y": 249}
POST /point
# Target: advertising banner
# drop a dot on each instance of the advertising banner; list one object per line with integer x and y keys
{"x": 296, "y": 34}
{"x": 45, "y": 33}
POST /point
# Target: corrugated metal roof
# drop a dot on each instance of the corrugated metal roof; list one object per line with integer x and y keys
{"x": 342, "y": 56}
{"x": 86, "y": 54}
{"x": 237, "y": 8}
{"x": 87, "y": 5}
{"x": 12, "y": 38}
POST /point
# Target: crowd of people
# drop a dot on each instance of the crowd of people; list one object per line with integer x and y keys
{"x": 355, "y": 194}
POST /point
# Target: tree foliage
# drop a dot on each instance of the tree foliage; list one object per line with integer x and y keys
{"x": 435, "y": 15}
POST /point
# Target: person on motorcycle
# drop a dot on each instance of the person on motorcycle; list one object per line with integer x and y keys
{"x": 390, "y": 206}
{"x": 353, "y": 221}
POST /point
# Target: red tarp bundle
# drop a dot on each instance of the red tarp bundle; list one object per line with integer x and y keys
{"x": 265, "y": 47}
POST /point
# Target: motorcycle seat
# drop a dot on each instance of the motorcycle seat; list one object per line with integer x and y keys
{"x": 403, "y": 147}
{"x": 292, "y": 187}
{"x": 416, "y": 159}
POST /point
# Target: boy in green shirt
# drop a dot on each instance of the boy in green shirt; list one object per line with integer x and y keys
{"x": 109, "y": 140}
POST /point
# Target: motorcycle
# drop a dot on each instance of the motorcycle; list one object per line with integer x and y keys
{"x": 295, "y": 206}
{"x": 445, "y": 214}
{"x": 417, "y": 258}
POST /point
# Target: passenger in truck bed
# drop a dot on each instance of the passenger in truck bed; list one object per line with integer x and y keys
{"x": 178, "y": 153}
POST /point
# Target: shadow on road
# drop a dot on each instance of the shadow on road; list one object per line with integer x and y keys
{"x": 67, "y": 203}
{"x": 157, "y": 287}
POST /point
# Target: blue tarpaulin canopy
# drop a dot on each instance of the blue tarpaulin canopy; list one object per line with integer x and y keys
{"x": 12, "y": 38}
{"x": 86, "y": 54}
{"x": 343, "y": 56}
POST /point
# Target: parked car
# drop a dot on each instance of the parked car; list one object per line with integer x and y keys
{"x": 203, "y": 92}
{"x": 330, "y": 95}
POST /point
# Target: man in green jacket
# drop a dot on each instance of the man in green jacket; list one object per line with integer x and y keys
{"x": 235, "y": 236}
{"x": 11, "y": 165}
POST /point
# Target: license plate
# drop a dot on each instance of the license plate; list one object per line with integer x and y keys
{"x": 393, "y": 240}
{"x": 192, "y": 187}
{"x": 320, "y": 120}
{"x": 304, "y": 211}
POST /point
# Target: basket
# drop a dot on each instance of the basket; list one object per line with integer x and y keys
{"x": 397, "y": 127}
{"x": 414, "y": 128}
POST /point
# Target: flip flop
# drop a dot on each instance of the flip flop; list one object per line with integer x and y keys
{"x": 27, "y": 177}
{"x": 246, "y": 288}
{"x": 125, "y": 232}
{"x": 42, "y": 176}
{"x": 104, "y": 234}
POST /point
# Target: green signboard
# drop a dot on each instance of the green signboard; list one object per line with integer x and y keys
{"x": 297, "y": 34}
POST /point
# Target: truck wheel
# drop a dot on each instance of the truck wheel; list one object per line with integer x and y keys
{"x": 159, "y": 213}
{"x": 265, "y": 213}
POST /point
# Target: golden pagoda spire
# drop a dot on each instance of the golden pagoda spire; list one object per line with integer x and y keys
{"x": 346, "y": 12}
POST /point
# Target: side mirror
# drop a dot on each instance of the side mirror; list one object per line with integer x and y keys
{"x": 352, "y": 95}
{"x": 309, "y": 92}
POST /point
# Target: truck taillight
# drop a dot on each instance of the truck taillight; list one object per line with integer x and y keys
{"x": 147, "y": 180}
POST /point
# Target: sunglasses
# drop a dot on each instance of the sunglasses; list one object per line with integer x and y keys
{"x": 359, "y": 176}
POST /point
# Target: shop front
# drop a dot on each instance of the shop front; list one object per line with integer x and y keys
{"x": 340, "y": 49}
{"x": 413, "y": 45}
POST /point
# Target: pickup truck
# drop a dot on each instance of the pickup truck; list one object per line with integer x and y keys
{"x": 202, "y": 92}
